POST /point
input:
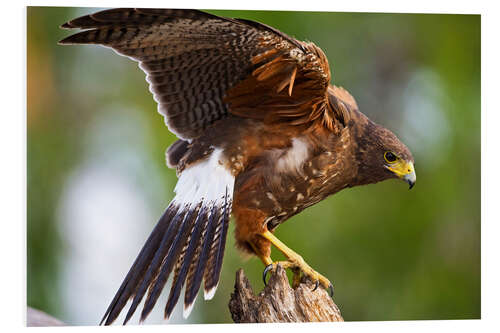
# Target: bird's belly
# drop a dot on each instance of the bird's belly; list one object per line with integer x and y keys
{"x": 292, "y": 198}
{"x": 281, "y": 196}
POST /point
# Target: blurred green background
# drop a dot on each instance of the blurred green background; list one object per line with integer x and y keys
{"x": 97, "y": 180}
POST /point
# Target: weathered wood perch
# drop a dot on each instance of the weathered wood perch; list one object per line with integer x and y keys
{"x": 276, "y": 303}
{"x": 279, "y": 303}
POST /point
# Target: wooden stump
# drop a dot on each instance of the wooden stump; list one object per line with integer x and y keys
{"x": 279, "y": 303}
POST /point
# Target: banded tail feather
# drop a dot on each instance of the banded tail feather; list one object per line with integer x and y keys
{"x": 188, "y": 242}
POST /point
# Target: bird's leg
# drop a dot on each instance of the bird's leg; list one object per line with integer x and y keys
{"x": 296, "y": 277}
{"x": 264, "y": 258}
{"x": 296, "y": 263}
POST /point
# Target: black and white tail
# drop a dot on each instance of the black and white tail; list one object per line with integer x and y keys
{"x": 188, "y": 241}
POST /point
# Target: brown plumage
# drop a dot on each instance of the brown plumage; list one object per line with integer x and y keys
{"x": 262, "y": 135}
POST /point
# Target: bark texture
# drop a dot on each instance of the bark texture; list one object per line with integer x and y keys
{"x": 279, "y": 303}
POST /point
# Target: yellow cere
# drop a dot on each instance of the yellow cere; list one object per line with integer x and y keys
{"x": 401, "y": 168}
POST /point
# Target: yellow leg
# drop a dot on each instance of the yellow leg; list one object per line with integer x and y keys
{"x": 265, "y": 259}
{"x": 296, "y": 262}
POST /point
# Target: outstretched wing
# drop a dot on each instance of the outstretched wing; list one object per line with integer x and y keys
{"x": 201, "y": 67}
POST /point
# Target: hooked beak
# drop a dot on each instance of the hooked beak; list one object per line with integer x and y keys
{"x": 405, "y": 171}
{"x": 410, "y": 178}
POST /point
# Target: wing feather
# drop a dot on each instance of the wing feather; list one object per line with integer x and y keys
{"x": 202, "y": 67}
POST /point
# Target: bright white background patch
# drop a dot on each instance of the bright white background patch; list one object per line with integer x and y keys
{"x": 425, "y": 126}
{"x": 105, "y": 216}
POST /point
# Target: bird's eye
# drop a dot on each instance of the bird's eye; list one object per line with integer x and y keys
{"x": 390, "y": 157}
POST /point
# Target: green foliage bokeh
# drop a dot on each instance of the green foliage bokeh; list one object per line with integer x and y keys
{"x": 392, "y": 254}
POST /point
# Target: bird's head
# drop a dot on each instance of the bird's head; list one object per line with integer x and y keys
{"x": 381, "y": 155}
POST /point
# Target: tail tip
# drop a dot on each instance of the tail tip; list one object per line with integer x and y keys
{"x": 187, "y": 310}
{"x": 209, "y": 294}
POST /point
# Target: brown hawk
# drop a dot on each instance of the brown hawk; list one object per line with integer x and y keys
{"x": 262, "y": 134}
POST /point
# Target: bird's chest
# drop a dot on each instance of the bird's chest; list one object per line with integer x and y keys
{"x": 287, "y": 181}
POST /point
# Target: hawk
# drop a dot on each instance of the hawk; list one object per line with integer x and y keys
{"x": 262, "y": 136}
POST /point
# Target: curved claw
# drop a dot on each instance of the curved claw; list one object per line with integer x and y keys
{"x": 264, "y": 274}
{"x": 316, "y": 286}
{"x": 330, "y": 289}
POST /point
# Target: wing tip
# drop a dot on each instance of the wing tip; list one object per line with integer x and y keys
{"x": 66, "y": 26}
{"x": 64, "y": 41}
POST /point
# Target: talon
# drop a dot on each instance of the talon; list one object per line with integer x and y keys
{"x": 294, "y": 262}
{"x": 264, "y": 274}
{"x": 330, "y": 289}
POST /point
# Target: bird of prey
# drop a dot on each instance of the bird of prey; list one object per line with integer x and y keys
{"x": 262, "y": 136}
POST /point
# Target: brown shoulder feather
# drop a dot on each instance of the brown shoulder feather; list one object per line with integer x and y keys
{"x": 288, "y": 84}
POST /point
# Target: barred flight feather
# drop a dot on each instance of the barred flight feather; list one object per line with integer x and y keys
{"x": 188, "y": 240}
{"x": 201, "y": 67}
